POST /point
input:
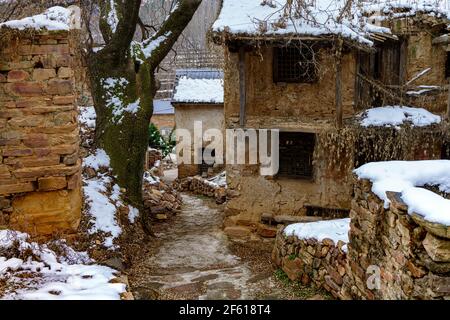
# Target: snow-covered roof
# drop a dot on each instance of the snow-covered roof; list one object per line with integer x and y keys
{"x": 409, "y": 178}
{"x": 257, "y": 18}
{"x": 53, "y": 19}
{"x": 394, "y": 116}
{"x": 202, "y": 86}
{"x": 406, "y": 8}
{"x": 163, "y": 107}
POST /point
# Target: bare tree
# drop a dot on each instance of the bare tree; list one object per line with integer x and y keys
{"x": 122, "y": 76}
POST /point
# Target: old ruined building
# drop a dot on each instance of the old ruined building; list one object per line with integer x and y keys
{"x": 40, "y": 170}
{"x": 198, "y": 98}
{"x": 315, "y": 81}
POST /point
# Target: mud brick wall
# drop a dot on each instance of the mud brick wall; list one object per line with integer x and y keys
{"x": 40, "y": 189}
{"x": 319, "y": 263}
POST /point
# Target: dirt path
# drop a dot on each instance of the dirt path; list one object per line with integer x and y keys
{"x": 193, "y": 259}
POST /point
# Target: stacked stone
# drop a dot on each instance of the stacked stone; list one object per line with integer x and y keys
{"x": 39, "y": 135}
{"x": 161, "y": 200}
{"x": 201, "y": 186}
{"x": 413, "y": 255}
{"x": 322, "y": 264}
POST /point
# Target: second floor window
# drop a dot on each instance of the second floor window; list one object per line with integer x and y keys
{"x": 294, "y": 65}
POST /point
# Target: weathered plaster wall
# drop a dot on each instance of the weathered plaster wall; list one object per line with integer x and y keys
{"x": 40, "y": 189}
{"x": 211, "y": 116}
{"x": 163, "y": 121}
{"x": 289, "y": 107}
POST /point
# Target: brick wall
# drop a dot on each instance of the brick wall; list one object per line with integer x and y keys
{"x": 39, "y": 133}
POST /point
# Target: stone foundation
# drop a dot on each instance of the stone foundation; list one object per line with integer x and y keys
{"x": 391, "y": 254}
{"x": 201, "y": 186}
{"x": 40, "y": 180}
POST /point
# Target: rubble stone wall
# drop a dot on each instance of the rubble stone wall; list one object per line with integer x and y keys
{"x": 40, "y": 176}
{"x": 391, "y": 254}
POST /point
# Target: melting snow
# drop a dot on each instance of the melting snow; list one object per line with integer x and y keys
{"x": 407, "y": 177}
{"x": 69, "y": 277}
{"x": 53, "y": 19}
{"x": 332, "y": 229}
{"x": 398, "y": 115}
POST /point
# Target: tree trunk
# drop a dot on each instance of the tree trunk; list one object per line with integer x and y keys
{"x": 123, "y": 136}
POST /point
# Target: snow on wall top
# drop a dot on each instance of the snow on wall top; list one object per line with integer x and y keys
{"x": 408, "y": 178}
{"x": 404, "y": 8}
{"x": 320, "y": 19}
{"x": 53, "y": 19}
{"x": 199, "y": 86}
{"x": 394, "y": 116}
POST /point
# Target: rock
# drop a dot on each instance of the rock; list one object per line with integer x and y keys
{"x": 127, "y": 296}
{"x": 284, "y": 219}
{"x": 237, "y": 232}
{"x": 115, "y": 263}
{"x": 145, "y": 294}
{"x": 267, "y": 231}
{"x": 437, "y": 248}
{"x": 437, "y": 229}
{"x": 292, "y": 267}
{"x": 161, "y": 216}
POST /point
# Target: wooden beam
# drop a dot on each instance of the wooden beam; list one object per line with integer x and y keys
{"x": 242, "y": 87}
{"x": 338, "y": 93}
{"x": 448, "y": 102}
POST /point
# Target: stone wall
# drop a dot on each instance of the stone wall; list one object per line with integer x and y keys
{"x": 40, "y": 189}
{"x": 322, "y": 264}
{"x": 199, "y": 185}
{"x": 391, "y": 254}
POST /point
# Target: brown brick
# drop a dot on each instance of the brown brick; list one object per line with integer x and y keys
{"x": 33, "y": 161}
{"x": 15, "y": 65}
{"x": 60, "y": 87}
{"x": 47, "y": 109}
{"x": 74, "y": 181}
{"x": 35, "y": 140}
{"x": 65, "y": 73}
{"x": 58, "y": 129}
{"x": 11, "y": 113}
{"x": 38, "y": 172}
{"x": 31, "y": 103}
{"x": 63, "y": 60}
{"x": 42, "y": 152}
{"x": 17, "y": 152}
{"x": 65, "y": 149}
{"x": 2, "y": 123}
{"x": 9, "y": 142}
{"x": 2, "y": 78}
{"x": 16, "y": 188}
{"x": 52, "y": 183}
{"x": 26, "y": 121}
{"x": 18, "y": 75}
{"x": 43, "y": 74}
{"x": 24, "y": 88}
{"x": 27, "y": 50}
{"x": 64, "y": 100}
{"x": 71, "y": 159}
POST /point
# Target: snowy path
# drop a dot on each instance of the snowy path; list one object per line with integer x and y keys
{"x": 193, "y": 259}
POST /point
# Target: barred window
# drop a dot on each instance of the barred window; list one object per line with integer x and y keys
{"x": 296, "y": 155}
{"x": 294, "y": 65}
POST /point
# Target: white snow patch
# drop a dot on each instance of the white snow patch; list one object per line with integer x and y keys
{"x": 97, "y": 160}
{"x": 219, "y": 180}
{"x": 87, "y": 117}
{"x": 397, "y": 115}
{"x": 199, "y": 91}
{"x": 332, "y": 229}
{"x": 53, "y": 19}
{"x": 69, "y": 277}
{"x": 133, "y": 214}
{"x": 112, "y": 19}
{"x": 406, "y": 177}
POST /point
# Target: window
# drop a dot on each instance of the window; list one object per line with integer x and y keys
{"x": 296, "y": 155}
{"x": 294, "y": 65}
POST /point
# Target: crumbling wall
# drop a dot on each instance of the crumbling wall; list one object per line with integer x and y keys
{"x": 40, "y": 189}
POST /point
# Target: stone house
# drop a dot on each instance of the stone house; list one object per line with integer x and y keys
{"x": 313, "y": 76}
{"x": 198, "y": 97}
{"x": 40, "y": 167}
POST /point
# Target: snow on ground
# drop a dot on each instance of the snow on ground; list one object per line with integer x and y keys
{"x": 319, "y": 18}
{"x": 87, "y": 117}
{"x": 39, "y": 273}
{"x": 53, "y": 19}
{"x": 407, "y": 177}
{"x": 97, "y": 160}
{"x": 199, "y": 91}
{"x": 394, "y": 116}
{"x": 332, "y": 229}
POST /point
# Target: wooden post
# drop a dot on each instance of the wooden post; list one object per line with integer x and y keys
{"x": 338, "y": 94}
{"x": 242, "y": 86}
